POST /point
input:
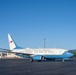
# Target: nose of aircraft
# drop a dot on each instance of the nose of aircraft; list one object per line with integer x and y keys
{"x": 70, "y": 54}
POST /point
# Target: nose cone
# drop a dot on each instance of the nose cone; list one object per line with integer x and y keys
{"x": 70, "y": 54}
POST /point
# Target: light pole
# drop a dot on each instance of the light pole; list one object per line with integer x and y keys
{"x": 44, "y": 42}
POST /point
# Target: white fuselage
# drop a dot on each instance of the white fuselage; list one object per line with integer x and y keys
{"x": 41, "y": 51}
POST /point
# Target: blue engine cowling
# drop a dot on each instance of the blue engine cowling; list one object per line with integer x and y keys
{"x": 37, "y": 57}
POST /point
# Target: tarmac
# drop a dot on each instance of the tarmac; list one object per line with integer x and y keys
{"x": 25, "y": 67}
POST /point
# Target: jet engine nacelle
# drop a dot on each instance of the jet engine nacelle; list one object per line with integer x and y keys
{"x": 37, "y": 57}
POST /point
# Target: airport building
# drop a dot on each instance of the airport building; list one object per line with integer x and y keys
{"x": 8, "y": 55}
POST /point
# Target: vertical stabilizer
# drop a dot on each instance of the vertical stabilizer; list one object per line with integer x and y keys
{"x": 11, "y": 42}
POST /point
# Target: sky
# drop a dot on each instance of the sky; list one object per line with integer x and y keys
{"x": 30, "y": 21}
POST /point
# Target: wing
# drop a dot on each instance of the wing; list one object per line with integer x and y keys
{"x": 4, "y": 50}
{"x": 10, "y": 51}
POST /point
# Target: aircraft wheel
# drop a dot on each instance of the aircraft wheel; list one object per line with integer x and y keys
{"x": 53, "y": 59}
{"x": 39, "y": 60}
{"x": 31, "y": 60}
{"x": 62, "y": 60}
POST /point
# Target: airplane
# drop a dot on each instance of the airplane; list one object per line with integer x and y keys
{"x": 38, "y": 54}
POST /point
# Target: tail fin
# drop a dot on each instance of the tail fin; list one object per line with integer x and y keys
{"x": 11, "y": 42}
